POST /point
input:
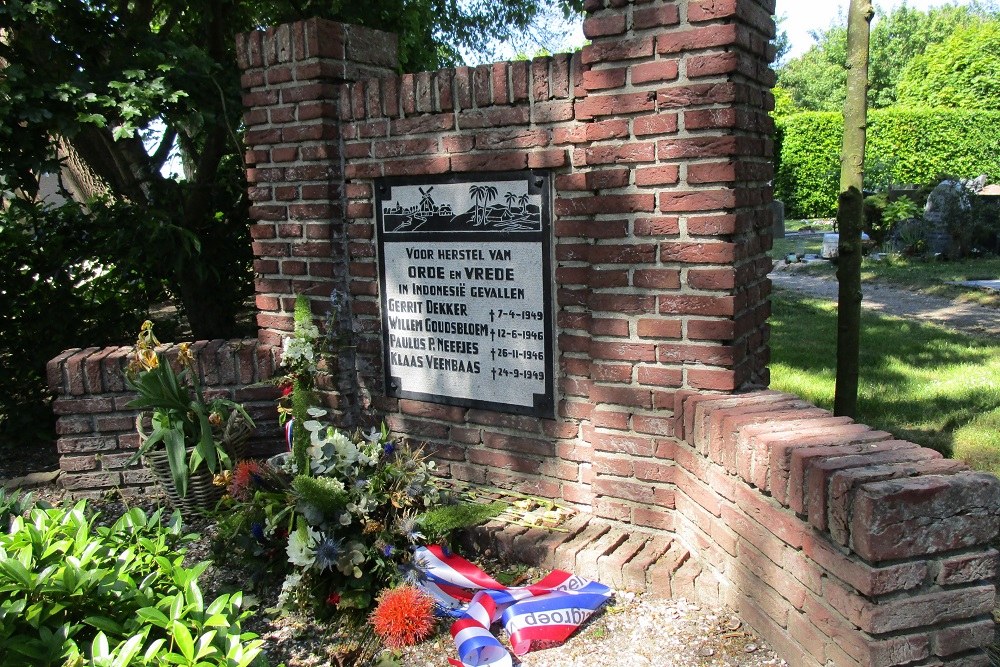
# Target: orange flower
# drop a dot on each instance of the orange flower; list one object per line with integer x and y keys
{"x": 245, "y": 478}
{"x": 403, "y": 617}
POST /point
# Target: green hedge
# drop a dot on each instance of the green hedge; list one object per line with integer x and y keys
{"x": 906, "y": 145}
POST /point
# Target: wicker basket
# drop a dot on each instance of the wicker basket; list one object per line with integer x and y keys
{"x": 202, "y": 493}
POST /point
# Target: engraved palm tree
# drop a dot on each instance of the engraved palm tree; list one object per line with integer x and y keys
{"x": 510, "y": 198}
{"x": 482, "y": 194}
{"x": 523, "y": 201}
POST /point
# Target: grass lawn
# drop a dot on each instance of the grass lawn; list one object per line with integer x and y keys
{"x": 932, "y": 276}
{"x": 811, "y": 245}
{"x": 802, "y": 246}
{"x": 938, "y": 388}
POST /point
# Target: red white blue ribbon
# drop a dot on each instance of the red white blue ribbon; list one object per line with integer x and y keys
{"x": 548, "y": 611}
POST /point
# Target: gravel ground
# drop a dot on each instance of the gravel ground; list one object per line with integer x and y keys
{"x": 634, "y": 631}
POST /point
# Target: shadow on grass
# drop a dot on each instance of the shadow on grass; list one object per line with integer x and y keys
{"x": 919, "y": 382}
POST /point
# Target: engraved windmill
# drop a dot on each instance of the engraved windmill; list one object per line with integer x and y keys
{"x": 427, "y": 206}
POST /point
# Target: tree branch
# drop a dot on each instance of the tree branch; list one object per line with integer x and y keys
{"x": 122, "y": 164}
{"x": 163, "y": 150}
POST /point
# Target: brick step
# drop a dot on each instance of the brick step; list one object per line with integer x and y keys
{"x": 620, "y": 557}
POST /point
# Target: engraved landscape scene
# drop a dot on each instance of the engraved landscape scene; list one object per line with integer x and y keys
{"x": 462, "y": 208}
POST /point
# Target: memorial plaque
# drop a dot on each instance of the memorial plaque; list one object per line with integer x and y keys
{"x": 464, "y": 274}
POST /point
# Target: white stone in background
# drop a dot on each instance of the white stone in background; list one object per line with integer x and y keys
{"x": 32, "y": 480}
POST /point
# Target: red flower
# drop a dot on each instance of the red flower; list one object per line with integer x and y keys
{"x": 245, "y": 477}
{"x": 403, "y": 617}
{"x": 333, "y": 598}
{"x": 287, "y": 389}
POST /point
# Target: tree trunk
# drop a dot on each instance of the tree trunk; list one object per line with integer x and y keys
{"x": 850, "y": 211}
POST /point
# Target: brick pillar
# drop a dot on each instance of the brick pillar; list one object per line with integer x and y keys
{"x": 671, "y": 181}
{"x": 693, "y": 80}
{"x": 291, "y": 78}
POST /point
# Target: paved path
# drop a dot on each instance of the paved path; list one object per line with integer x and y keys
{"x": 966, "y": 317}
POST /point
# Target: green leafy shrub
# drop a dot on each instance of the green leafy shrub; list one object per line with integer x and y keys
{"x": 917, "y": 145}
{"x": 63, "y": 266}
{"x": 73, "y": 591}
{"x": 808, "y": 163}
{"x": 882, "y": 215}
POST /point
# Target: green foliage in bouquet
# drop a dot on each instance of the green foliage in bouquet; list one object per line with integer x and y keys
{"x": 326, "y": 494}
{"x": 439, "y": 523}
{"x": 301, "y": 357}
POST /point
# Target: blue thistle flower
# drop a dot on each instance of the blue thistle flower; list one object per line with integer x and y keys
{"x": 257, "y": 530}
{"x": 328, "y": 552}
{"x": 388, "y": 550}
{"x": 388, "y": 449}
{"x": 411, "y": 574}
{"x": 411, "y": 530}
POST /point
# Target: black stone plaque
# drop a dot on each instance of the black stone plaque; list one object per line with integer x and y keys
{"x": 464, "y": 274}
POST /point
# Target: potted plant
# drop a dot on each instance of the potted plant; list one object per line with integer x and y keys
{"x": 190, "y": 439}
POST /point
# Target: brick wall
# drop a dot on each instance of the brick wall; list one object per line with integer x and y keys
{"x": 837, "y": 543}
{"x": 295, "y": 156}
{"x": 659, "y": 140}
{"x": 96, "y": 431}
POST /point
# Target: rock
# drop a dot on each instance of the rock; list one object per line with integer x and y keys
{"x": 32, "y": 480}
{"x": 948, "y": 216}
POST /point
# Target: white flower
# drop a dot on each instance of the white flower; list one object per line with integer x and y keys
{"x": 347, "y": 451}
{"x": 288, "y": 587}
{"x": 298, "y": 352}
{"x": 301, "y": 547}
{"x": 367, "y": 459}
{"x": 307, "y": 331}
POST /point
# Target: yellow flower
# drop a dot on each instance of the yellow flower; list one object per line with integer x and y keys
{"x": 147, "y": 339}
{"x": 147, "y": 359}
{"x": 184, "y": 356}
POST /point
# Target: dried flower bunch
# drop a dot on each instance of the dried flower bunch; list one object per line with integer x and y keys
{"x": 187, "y": 426}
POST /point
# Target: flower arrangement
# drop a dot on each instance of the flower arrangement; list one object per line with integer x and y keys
{"x": 302, "y": 355}
{"x": 342, "y": 530}
{"x": 338, "y": 518}
{"x": 191, "y": 430}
